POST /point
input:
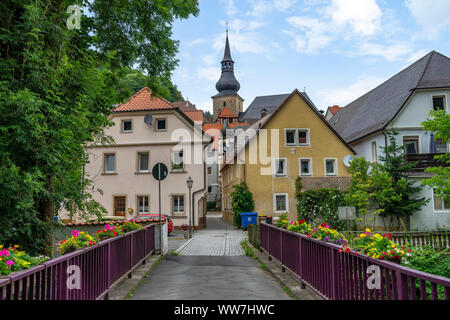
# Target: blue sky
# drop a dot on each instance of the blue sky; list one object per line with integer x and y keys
{"x": 336, "y": 49}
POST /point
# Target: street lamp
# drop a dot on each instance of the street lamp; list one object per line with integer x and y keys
{"x": 189, "y": 183}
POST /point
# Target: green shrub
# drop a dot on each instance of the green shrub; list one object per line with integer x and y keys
{"x": 321, "y": 205}
{"x": 241, "y": 201}
{"x": 431, "y": 261}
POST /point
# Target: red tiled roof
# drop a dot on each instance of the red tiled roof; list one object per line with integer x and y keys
{"x": 196, "y": 116}
{"x": 143, "y": 100}
{"x": 227, "y": 113}
{"x": 216, "y": 125}
{"x": 334, "y": 109}
{"x": 238, "y": 124}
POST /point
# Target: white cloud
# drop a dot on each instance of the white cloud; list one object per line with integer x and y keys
{"x": 210, "y": 59}
{"x": 391, "y": 52}
{"x": 345, "y": 95}
{"x": 206, "y": 106}
{"x": 283, "y": 5}
{"x": 433, "y": 16}
{"x": 197, "y": 41}
{"x": 314, "y": 37}
{"x": 362, "y": 15}
{"x": 417, "y": 55}
{"x": 260, "y": 8}
{"x": 209, "y": 73}
{"x": 231, "y": 9}
{"x": 243, "y": 38}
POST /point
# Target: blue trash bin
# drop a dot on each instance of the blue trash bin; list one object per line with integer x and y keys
{"x": 248, "y": 218}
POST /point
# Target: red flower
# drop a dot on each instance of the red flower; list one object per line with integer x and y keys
{"x": 381, "y": 258}
{"x": 392, "y": 252}
{"x": 347, "y": 250}
{"x": 409, "y": 250}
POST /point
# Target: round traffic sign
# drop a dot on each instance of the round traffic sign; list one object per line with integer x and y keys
{"x": 160, "y": 171}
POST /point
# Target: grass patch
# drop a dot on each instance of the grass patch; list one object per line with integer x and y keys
{"x": 247, "y": 249}
{"x": 173, "y": 253}
{"x": 289, "y": 292}
{"x": 130, "y": 294}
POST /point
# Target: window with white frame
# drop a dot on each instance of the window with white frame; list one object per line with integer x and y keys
{"x": 438, "y": 103}
{"x": 143, "y": 161}
{"x": 280, "y": 202}
{"x": 127, "y": 126}
{"x": 374, "y": 152}
{"x": 330, "y": 167}
{"x": 440, "y": 204}
{"x": 110, "y": 163}
{"x": 143, "y": 206}
{"x": 290, "y": 137}
{"x": 177, "y": 160}
{"x": 178, "y": 204}
{"x": 296, "y": 137}
{"x": 303, "y": 137}
{"x": 280, "y": 167}
{"x": 411, "y": 144}
{"x": 305, "y": 165}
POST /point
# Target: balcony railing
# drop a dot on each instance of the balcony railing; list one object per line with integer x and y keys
{"x": 425, "y": 160}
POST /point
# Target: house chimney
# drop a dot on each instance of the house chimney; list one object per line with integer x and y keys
{"x": 263, "y": 113}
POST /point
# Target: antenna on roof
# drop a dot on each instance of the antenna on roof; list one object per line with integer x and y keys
{"x": 304, "y": 89}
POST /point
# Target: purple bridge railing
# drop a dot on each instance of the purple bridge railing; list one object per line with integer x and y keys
{"x": 343, "y": 276}
{"x": 101, "y": 267}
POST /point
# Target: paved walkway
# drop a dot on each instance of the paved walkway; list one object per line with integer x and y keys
{"x": 211, "y": 267}
{"x": 218, "y": 239}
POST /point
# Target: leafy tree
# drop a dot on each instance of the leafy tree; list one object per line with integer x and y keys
{"x": 405, "y": 204}
{"x": 208, "y": 115}
{"x": 57, "y": 89}
{"x": 439, "y": 123}
{"x": 133, "y": 80}
{"x": 241, "y": 201}
{"x": 383, "y": 188}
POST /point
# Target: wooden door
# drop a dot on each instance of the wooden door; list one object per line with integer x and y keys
{"x": 119, "y": 206}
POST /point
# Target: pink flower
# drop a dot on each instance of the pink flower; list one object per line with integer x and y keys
{"x": 9, "y": 263}
{"x": 4, "y": 253}
{"x": 108, "y": 227}
{"x": 75, "y": 233}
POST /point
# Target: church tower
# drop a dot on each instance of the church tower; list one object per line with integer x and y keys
{"x": 227, "y": 86}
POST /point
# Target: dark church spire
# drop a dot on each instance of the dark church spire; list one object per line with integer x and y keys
{"x": 227, "y": 84}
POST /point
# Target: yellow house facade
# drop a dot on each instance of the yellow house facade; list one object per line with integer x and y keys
{"x": 298, "y": 142}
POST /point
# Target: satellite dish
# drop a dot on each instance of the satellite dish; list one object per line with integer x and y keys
{"x": 347, "y": 160}
{"x": 148, "y": 119}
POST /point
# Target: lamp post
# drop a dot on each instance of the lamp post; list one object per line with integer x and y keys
{"x": 189, "y": 183}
